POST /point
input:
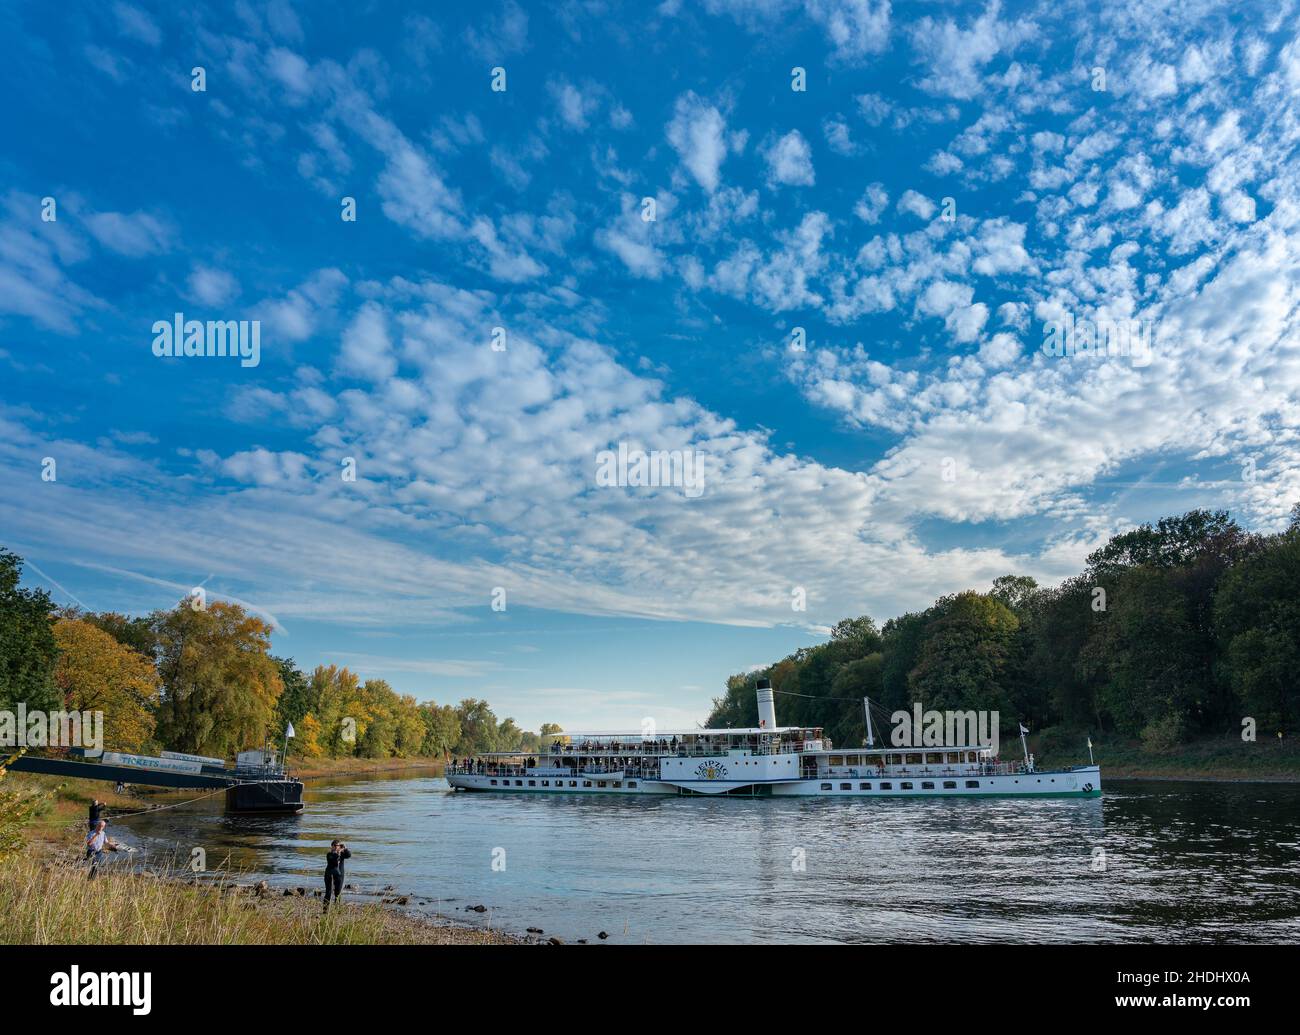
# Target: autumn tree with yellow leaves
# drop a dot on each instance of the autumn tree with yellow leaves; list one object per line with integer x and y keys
{"x": 96, "y": 673}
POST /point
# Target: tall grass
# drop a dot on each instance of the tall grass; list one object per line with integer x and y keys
{"x": 45, "y": 901}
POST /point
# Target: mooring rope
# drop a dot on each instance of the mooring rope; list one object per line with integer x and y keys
{"x": 162, "y": 808}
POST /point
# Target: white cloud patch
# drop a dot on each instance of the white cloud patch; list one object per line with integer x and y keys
{"x": 955, "y": 57}
{"x": 212, "y": 287}
{"x": 917, "y": 204}
{"x": 135, "y": 24}
{"x": 575, "y": 104}
{"x": 698, "y": 133}
{"x": 367, "y": 350}
{"x": 872, "y": 204}
{"x": 134, "y": 234}
{"x": 789, "y": 161}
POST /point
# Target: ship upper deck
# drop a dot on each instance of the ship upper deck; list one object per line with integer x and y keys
{"x": 758, "y": 740}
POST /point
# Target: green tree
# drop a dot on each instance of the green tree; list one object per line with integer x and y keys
{"x": 382, "y": 705}
{"x": 409, "y": 732}
{"x": 1172, "y": 542}
{"x": 1258, "y": 612}
{"x": 27, "y": 647}
{"x": 1061, "y": 623}
{"x": 1173, "y": 628}
{"x": 441, "y": 729}
{"x": 134, "y": 632}
{"x": 509, "y": 736}
{"x": 903, "y": 638}
{"x": 220, "y": 685}
{"x": 1017, "y": 592}
{"x": 1160, "y": 584}
{"x": 339, "y": 709}
{"x": 295, "y": 701}
{"x": 478, "y": 727}
{"x": 964, "y": 658}
{"x": 860, "y": 635}
{"x": 858, "y": 679}
{"x": 1145, "y": 652}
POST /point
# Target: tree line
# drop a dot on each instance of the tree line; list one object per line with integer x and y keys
{"x": 1179, "y": 629}
{"x": 203, "y": 680}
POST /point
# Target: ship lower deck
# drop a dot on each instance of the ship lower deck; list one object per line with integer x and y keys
{"x": 1083, "y": 782}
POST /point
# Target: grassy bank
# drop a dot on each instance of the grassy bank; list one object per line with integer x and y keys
{"x": 45, "y": 897}
{"x": 1211, "y": 758}
{"x": 46, "y": 900}
{"x": 67, "y": 803}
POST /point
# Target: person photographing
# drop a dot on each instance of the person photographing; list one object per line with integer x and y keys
{"x": 334, "y": 860}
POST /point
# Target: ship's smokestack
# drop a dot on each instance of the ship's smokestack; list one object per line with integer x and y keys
{"x": 766, "y": 705}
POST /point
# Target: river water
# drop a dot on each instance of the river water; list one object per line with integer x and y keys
{"x": 1149, "y": 861}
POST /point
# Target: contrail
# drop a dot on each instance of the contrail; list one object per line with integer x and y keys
{"x": 166, "y": 583}
{"x": 36, "y": 568}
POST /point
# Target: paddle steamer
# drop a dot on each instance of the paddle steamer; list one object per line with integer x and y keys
{"x": 765, "y": 760}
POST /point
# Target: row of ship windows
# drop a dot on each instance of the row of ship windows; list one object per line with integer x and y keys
{"x": 906, "y": 785}
{"x": 572, "y": 783}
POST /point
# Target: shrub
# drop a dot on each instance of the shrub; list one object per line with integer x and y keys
{"x": 1164, "y": 734}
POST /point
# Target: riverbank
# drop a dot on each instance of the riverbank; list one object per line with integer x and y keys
{"x": 310, "y": 768}
{"x": 46, "y": 899}
{"x": 1210, "y": 760}
{"x": 67, "y": 802}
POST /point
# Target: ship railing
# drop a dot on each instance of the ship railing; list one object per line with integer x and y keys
{"x": 259, "y": 772}
{"x": 888, "y": 771}
{"x": 654, "y": 749}
{"x": 629, "y": 772}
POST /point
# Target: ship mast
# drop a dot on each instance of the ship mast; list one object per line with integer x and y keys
{"x": 866, "y": 708}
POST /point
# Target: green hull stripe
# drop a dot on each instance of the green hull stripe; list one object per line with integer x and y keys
{"x": 816, "y": 794}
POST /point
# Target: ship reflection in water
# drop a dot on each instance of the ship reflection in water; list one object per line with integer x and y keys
{"x": 1169, "y": 862}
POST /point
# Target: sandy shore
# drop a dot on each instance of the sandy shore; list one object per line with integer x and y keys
{"x": 399, "y": 925}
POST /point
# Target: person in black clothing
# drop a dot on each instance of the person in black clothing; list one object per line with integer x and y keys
{"x": 334, "y": 870}
{"x": 96, "y": 813}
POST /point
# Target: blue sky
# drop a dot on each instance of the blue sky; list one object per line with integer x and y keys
{"x": 951, "y": 181}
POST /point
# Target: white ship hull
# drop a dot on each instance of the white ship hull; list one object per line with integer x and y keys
{"x": 768, "y": 761}
{"x": 1082, "y": 782}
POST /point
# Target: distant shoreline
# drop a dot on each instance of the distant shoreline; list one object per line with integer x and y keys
{"x": 315, "y": 768}
{"x": 1164, "y": 778}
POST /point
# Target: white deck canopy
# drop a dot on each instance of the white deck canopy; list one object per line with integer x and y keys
{"x": 748, "y": 731}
